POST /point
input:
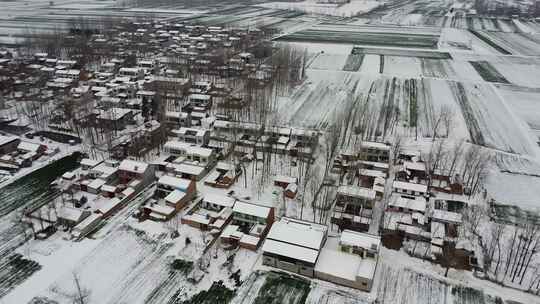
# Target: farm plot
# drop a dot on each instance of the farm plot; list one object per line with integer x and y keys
{"x": 370, "y": 64}
{"x": 402, "y": 286}
{"x": 489, "y": 120}
{"x": 437, "y": 68}
{"x": 324, "y": 293}
{"x": 277, "y": 287}
{"x": 513, "y": 43}
{"x": 491, "y": 42}
{"x": 407, "y": 37}
{"x": 522, "y": 74}
{"x": 407, "y": 286}
{"x": 314, "y": 103}
{"x": 125, "y": 268}
{"x": 273, "y": 288}
{"x": 518, "y": 192}
{"x": 517, "y": 164}
{"x": 354, "y": 62}
{"x": 348, "y": 9}
{"x": 430, "y": 96}
{"x": 14, "y": 269}
{"x": 387, "y": 100}
{"x": 488, "y": 72}
{"x": 505, "y": 26}
{"x": 402, "y": 52}
{"x": 489, "y": 24}
{"x": 525, "y": 103}
{"x": 402, "y": 66}
{"x": 328, "y": 62}
{"x": 459, "y": 39}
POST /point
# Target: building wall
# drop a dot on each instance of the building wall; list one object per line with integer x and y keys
{"x": 9, "y": 147}
{"x": 275, "y": 262}
{"x": 342, "y": 281}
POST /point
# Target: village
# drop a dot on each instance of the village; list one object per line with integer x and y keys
{"x": 194, "y": 169}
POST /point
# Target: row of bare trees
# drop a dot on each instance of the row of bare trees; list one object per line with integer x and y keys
{"x": 509, "y": 250}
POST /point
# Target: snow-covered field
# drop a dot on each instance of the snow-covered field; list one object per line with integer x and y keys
{"x": 352, "y": 8}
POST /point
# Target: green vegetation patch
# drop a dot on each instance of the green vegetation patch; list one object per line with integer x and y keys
{"x": 217, "y": 293}
{"x": 181, "y": 265}
{"x": 488, "y": 72}
{"x": 281, "y": 288}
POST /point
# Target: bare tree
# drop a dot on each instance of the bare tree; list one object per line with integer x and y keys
{"x": 81, "y": 294}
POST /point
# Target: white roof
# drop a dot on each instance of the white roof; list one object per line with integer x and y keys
{"x": 220, "y": 200}
{"x": 417, "y": 204}
{"x": 7, "y": 139}
{"x": 177, "y": 145}
{"x": 292, "y": 187}
{"x": 90, "y": 162}
{"x": 184, "y": 130}
{"x": 298, "y": 232}
{"x": 96, "y": 184}
{"x": 175, "y": 114}
{"x": 104, "y": 169}
{"x": 161, "y": 209}
{"x": 133, "y": 166}
{"x": 175, "y": 196}
{"x": 28, "y": 146}
{"x": 224, "y": 166}
{"x": 108, "y": 188}
{"x": 367, "y": 269}
{"x": 87, "y": 221}
{"x": 446, "y": 216}
{"x": 68, "y": 175}
{"x": 196, "y": 217}
{"x": 338, "y": 264}
{"x": 69, "y": 213}
{"x": 175, "y": 182}
{"x": 251, "y": 209}
{"x": 188, "y": 169}
{"x": 372, "y": 173}
{"x": 135, "y": 70}
{"x": 375, "y": 164}
{"x": 355, "y": 191}
{"x": 204, "y": 152}
{"x": 250, "y": 239}
{"x": 438, "y": 230}
{"x": 285, "y": 179}
{"x": 416, "y": 166}
{"x": 410, "y": 186}
{"x": 199, "y": 96}
{"x": 292, "y": 251}
{"x": 113, "y": 113}
{"x": 375, "y": 145}
{"x": 359, "y": 239}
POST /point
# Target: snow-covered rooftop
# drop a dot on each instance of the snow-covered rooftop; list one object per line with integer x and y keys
{"x": 133, "y": 166}
{"x": 417, "y": 204}
{"x": 292, "y": 251}
{"x": 410, "y": 186}
{"x": 174, "y": 182}
{"x": 355, "y": 191}
{"x": 300, "y": 233}
{"x": 220, "y": 200}
{"x": 359, "y": 239}
{"x": 251, "y": 209}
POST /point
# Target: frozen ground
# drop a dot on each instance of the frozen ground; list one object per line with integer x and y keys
{"x": 352, "y": 8}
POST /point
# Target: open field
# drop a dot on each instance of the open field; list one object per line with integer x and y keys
{"x": 408, "y": 37}
{"x": 511, "y": 43}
